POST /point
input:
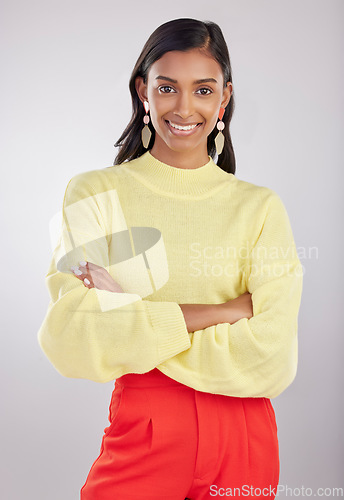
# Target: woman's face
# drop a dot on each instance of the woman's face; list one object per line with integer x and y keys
{"x": 176, "y": 96}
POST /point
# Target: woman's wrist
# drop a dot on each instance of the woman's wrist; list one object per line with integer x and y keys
{"x": 229, "y": 312}
{"x": 237, "y": 309}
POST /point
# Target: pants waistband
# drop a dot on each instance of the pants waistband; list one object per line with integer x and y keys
{"x": 153, "y": 378}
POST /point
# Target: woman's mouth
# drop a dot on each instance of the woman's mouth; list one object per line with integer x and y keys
{"x": 182, "y": 130}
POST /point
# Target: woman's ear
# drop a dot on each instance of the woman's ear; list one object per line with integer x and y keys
{"x": 141, "y": 88}
{"x": 227, "y": 93}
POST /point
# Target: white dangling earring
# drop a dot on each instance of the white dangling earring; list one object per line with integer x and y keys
{"x": 220, "y": 138}
{"x": 146, "y": 133}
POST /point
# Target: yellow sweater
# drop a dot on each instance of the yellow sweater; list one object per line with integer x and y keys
{"x": 173, "y": 236}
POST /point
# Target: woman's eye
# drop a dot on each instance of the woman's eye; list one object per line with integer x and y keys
{"x": 208, "y": 90}
{"x": 165, "y": 87}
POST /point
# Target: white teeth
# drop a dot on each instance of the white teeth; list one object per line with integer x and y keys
{"x": 178, "y": 127}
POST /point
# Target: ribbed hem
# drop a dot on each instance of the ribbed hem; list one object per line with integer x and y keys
{"x": 182, "y": 182}
{"x": 168, "y": 321}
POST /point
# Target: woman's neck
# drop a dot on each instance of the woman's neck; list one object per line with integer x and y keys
{"x": 194, "y": 158}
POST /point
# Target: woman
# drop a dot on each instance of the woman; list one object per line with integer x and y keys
{"x": 187, "y": 292}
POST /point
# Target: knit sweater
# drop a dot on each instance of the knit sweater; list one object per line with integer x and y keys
{"x": 173, "y": 236}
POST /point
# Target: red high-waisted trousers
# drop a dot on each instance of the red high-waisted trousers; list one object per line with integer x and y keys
{"x": 168, "y": 441}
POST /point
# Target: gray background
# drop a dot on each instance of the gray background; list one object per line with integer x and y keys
{"x": 64, "y": 101}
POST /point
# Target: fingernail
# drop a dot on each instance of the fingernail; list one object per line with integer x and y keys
{"x": 86, "y": 281}
{"x": 74, "y": 268}
{"x": 83, "y": 263}
{"x": 77, "y": 272}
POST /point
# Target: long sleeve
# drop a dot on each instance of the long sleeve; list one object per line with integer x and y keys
{"x": 97, "y": 334}
{"x": 254, "y": 357}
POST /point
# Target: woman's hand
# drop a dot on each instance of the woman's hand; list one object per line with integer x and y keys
{"x": 94, "y": 276}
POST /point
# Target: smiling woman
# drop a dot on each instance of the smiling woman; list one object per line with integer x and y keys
{"x": 173, "y": 295}
{"x": 188, "y": 108}
{"x": 178, "y": 98}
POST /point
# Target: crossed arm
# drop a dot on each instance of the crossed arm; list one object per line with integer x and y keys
{"x": 197, "y": 316}
{"x": 220, "y": 348}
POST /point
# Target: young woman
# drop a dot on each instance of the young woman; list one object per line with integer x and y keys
{"x": 181, "y": 282}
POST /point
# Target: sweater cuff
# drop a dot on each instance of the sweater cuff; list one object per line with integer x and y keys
{"x": 169, "y": 324}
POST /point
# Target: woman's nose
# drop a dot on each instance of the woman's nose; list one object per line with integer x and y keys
{"x": 184, "y": 106}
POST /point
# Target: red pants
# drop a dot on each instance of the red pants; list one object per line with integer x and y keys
{"x": 168, "y": 441}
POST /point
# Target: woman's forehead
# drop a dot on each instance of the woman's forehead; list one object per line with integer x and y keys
{"x": 185, "y": 66}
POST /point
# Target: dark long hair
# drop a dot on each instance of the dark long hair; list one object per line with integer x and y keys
{"x": 179, "y": 34}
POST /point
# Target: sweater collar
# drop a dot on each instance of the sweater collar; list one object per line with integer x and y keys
{"x": 187, "y": 183}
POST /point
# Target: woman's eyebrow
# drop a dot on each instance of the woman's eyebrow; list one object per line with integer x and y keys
{"x": 203, "y": 80}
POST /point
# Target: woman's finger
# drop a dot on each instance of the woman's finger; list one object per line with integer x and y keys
{"x": 87, "y": 283}
{"x": 94, "y": 276}
{"x": 82, "y": 273}
{"x": 86, "y": 267}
